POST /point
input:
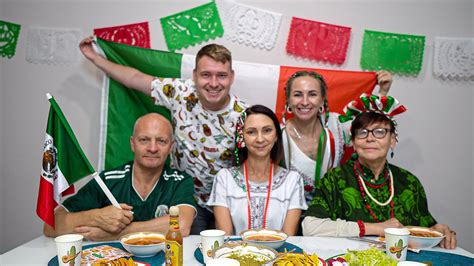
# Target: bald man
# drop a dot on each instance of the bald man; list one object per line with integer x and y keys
{"x": 146, "y": 189}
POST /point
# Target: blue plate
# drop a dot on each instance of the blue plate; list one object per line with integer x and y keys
{"x": 287, "y": 246}
{"x": 435, "y": 257}
{"x": 439, "y": 258}
{"x": 158, "y": 259}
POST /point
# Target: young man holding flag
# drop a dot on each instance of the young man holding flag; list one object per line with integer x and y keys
{"x": 146, "y": 188}
{"x": 203, "y": 111}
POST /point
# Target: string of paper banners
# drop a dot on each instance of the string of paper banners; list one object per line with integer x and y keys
{"x": 257, "y": 28}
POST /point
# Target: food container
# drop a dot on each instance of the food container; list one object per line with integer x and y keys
{"x": 423, "y": 238}
{"x": 245, "y": 253}
{"x": 265, "y": 237}
{"x": 143, "y": 244}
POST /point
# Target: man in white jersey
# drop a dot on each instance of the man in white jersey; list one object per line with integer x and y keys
{"x": 203, "y": 111}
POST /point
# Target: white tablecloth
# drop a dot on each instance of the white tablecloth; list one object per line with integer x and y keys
{"x": 40, "y": 250}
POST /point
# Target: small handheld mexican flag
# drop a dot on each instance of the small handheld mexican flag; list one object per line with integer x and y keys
{"x": 64, "y": 163}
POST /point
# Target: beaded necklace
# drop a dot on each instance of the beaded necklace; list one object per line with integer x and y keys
{"x": 371, "y": 184}
{"x": 363, "y": 190}
{"x": 249, "y": 212}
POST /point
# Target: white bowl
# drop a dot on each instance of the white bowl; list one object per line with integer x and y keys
{"x": 419, "y": 242}
{"x": 143, "y": 250}
{"x": 262, "y": 253}
{"x": 278, "y": 237}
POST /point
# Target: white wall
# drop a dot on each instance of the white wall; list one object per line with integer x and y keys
{"x": 435, "y": 132}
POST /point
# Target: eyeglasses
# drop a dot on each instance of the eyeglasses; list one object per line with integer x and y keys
{"x": 378, "y": 133}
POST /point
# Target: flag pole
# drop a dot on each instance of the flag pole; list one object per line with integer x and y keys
{"x": 68, "y": 128}
{"x": 106, "y": 190}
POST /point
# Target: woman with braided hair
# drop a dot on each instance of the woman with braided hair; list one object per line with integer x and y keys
{"x": 367, "y": 194}
{"x": 313, "y": 139}
{"x": 257, "y": 192}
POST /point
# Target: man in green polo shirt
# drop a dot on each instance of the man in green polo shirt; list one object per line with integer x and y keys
{"x": 146, "y": 188}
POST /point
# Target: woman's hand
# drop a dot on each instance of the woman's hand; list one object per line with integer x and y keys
{"x": 378, "y": 228}
{"x": 384, "y": 79}
{"x": 449, "y": 241}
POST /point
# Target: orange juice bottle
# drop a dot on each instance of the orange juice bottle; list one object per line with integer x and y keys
{"x": 174, "y": 240}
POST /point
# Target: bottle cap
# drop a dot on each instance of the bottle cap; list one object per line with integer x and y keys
{"x": 174, "y": 211}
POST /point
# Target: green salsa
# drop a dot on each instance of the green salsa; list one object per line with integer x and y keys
{"x": 249, "y": 259}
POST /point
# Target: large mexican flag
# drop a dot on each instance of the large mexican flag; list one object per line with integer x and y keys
{"x": 64, "y": 163}
{"x": 254, "y": 83}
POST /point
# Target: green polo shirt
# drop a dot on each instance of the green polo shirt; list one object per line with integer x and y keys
{"x": 173, "y": 188}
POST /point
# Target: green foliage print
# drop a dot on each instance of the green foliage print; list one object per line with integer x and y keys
{"x": 407, "y": 200}
{"x": 318, "y": 201}
{"x": 341, "y": 183}
{"x": 426, "y": 221}
{"x": 353, "y": 199}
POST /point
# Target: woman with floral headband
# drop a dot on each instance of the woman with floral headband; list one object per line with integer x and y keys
{"x": 257, "y": 192}
{"x": 367, "y": 194}
{"x": 313, "y": 139}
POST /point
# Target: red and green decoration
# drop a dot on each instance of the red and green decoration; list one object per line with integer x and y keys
{"x": 386, "y": 105}
{"x": 192, "y": 26}
{"x": 137, "y": 34}
{"x": 9, "y": 33}
{"x": 397, "y": 53}
{"x": 318, "y": 41}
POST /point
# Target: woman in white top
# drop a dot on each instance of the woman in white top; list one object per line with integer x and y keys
{"x": 257, "y": 192}
{"x": 314, "y": 139}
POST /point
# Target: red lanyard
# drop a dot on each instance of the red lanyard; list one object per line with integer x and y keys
{"x": 248, "y": 195}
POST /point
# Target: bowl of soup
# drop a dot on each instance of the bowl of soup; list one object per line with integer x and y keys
{"x": 143, "y": 244}
{"x": 422, "y": 237}
{"x": 265, "y": 237}
{"x": 245, "y": 253}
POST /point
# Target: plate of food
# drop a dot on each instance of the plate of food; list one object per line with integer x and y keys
{"x": 112, "y": 252}
{"x": 423, "y": 237}
{"x": 245, "y": 253}
{"x": 143, "y": 244}
{"x": 286, "y": 247}
{"x": 298, "y": 259}
{"x": 369, "y": 257}
{"x": 265, "y": 237}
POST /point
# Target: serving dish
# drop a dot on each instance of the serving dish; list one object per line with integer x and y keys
{"x": 245, "y": 253}
{"x": 423, "y": 238}
{"x": 143, "y": 244}
{"x": 265, "y": 237}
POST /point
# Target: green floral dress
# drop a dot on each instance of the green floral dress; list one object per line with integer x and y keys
{"x": 339, "y": 196}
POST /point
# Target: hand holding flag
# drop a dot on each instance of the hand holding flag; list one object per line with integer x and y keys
{"x": 64, "y": 163}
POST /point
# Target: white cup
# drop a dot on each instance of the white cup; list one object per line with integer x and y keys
{"x": 69, "y": 249}
{"x": 210, "y": 239}
{"x": 396, "y": 242}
